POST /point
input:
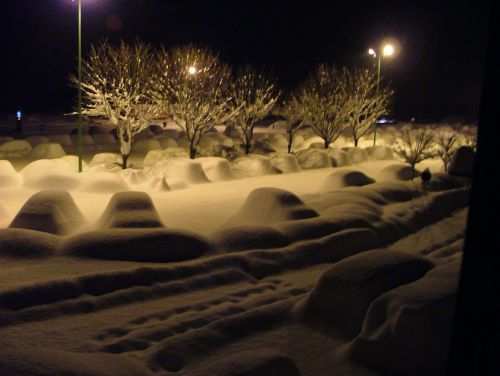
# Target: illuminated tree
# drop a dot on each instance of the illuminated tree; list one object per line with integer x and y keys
{"x": 293, "y": 113}
{"x": 364, "y": 103}
{"x": 323, "y": 103}
{"x": 415, "y": 144}
{"x": 116, "y": 85}
{"x": 253, "y": 98}
{"x": 193, "y": 86}
{"x": 447, "y": 143}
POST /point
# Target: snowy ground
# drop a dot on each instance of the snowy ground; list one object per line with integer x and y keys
{"x": 288, "y": 274}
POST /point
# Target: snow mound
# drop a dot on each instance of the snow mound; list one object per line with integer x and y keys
{"x": 412, "y": 317}
{"x": 462, "y": 163}
{"x": 216, "y": 169}
{"x": 249, "y": 237}
{"x": 23, "y": 243}
{"x": 159, "y": 155}
{"x": 312, "y": 140}
{"x": 344, "y": 178}
{"x": 252, "y": 165}
{"x": 171, "y": 133}
{"x": 309, "y": 228}
{"x": 48, "y": 174}
{"x": 37, "y": 140}
{"x": 105, "y": 158}
{"x": 72, "y": 162}
{"x": 355, "y": 282}
{"x": 379, "y": 152}
{"x": 266, "y": 206}
{"x": 356, "y": 154}
{"x": 4, "y": 139}
{"x": 397, "y": 171}
{"x": 132, "y": 244}
{"x": 285, "y": 163}
{"x": 186, "y": 170}
{"x": 442, "y": 181}
{"x": 86, "y": 139}
{"x": 167, "y": 142}
{"x": 130, "y": 209}
{"x": 61, "y": 139}
{"x": 102, "y": 182}
{"x": 51, "y": 210}
{"x": 339, "y": 157}
{"x": 15, "y": 149}
{"x": 313, "y": 158}
{"x": 277, "y": 142}
{"x": 104, "y": 139}
{"x": 133, "y": 176}
{"x": 146, "y": 145}
{"x": 47, "y": 151}
{"x": 8, "y": 175}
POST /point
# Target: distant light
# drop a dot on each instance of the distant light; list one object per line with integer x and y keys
{"x": 388, "y": 50}
{"x": 372, "y": 52}
{"x": 19, "y": 115}
{"x": 192, "y": 69}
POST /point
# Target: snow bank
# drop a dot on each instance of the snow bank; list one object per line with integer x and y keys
{"x": 266, "y": 206}
{"x": 52, "y": 211}
{"x": 37, "y": 140}
{"x": 130, "y": 209}
{"x": 355, "y": 282}
{"x": 397, "y": 171}
{"x": 24, "y": 243}
{"x": 249, "y": 237}
{"x": 252, "y": 165}
{"x": 47, "y": 151}
{"x": 313, "y": 158}
{"x": 15, "y": 149}
{"x": 344, "y": 178}
{"x": 86, "y": 139}
{"x": 8, "y": 175}
{"x": 379, "y": 152}
{"x": 187, "y": 170}
{"x": 72, "y": 162}
{"x": 167, "y": 142}
{"x": 277, "y": 142}
{"x": 356, "y": 154}
{"x": 312, "y": 140}
{"x": 47, "y": 174}
{"x": 104, "y": 139}
{"x": 133, "y": 244}
{"x": 339, "y": 157}
{"x": 133, "y": 176}
{"x": 146, "y": 145}
{"x": 101, "y": 182}
{"x": 4, "y": 139}
{"x": 285, "y": 163}
{"x": 61, "y": 139}
{"x": 216, "y": 169}
{"x": 462, "y": 163}
{"x": 171, "y": 133}
{"x": 159, "y": 155}
{"x": 105, "y": 158}
{"x": 402, "y": 322}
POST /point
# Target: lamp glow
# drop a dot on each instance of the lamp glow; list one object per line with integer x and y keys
{"x": 388, "y": 50}
{"x": 192, "y": 69}
{"x": 372, "y": 52}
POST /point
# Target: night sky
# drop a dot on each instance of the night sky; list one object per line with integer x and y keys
{"x": 438, "y": 71}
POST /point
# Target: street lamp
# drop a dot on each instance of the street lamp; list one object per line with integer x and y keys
{"x": 192, "y": 70}
{"x": 80, "y": 131}
{"x": 386, "y": 51}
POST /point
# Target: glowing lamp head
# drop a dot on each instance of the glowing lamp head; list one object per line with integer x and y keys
{"x": 192, "y": 69}
{"x": 371, "y": 51}
{"x": 18, "y": 115}
{"x": 388, "y": 50}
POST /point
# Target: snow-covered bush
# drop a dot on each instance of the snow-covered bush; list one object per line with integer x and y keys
{"x": 415, "y": 144}
{"x": 15, "y": 149}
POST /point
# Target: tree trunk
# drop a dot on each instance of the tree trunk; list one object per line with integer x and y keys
{"x": 412, "y": 171}
{"x": 327, "y": 143}
{"x": 356, "y": 140}
{"x": 192, "y": 152}
{"x": 124, "y": 160}
{"x": 247, "y": 147}
{"x": 290, "y": 139}
{"x": 445, "y": 165}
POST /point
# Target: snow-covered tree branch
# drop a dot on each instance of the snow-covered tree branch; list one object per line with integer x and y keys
{"x": 292, "y": 111}
{"x": 116, "y": 85}
{"x": 253, "y": 98}
{"x": 193, "y": 88}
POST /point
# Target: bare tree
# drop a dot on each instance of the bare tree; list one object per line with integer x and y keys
{"x": 253, "y": 98}
{"x": 364, "y": 104}
{"x": 193, "y": 86}
{"x": 323, "y": 103}
{"x": 116, "y": 85}
{"x": 293, "y": 113}
{"x": 448, "y": 141}
{"x": 415, "y": 144}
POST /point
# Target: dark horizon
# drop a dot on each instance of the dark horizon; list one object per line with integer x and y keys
{"x": 438, "y": 72}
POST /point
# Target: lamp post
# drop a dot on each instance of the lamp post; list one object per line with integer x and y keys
{"x": 387, "y": 51}
{"x": 80, "y": 131}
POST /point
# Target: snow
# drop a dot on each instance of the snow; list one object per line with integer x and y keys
{"x": 339, "y": 157}
{"x": 356, "y": 154}
{"x": 261, "y": 275}
{"x": 8, "y": 175}
{"x": 313, "y": 158}
{"x": 15, "y": 149}
{"x": 146, "y": 145}
{"x": 167, "y": 142}
{"x": 47, "y": 151}
{"x": 87, "y": 139}
{"x": 285, "y": 163}
{"x": 37, "y": 140}
{"x": 462, "y": 163}
{"x": 61, "y": 139}
{"x": 379, "y": 152}
{"x": 344, "y": 178}
{"x": 252, "y": 165}
{"x": 397, "y": 171}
